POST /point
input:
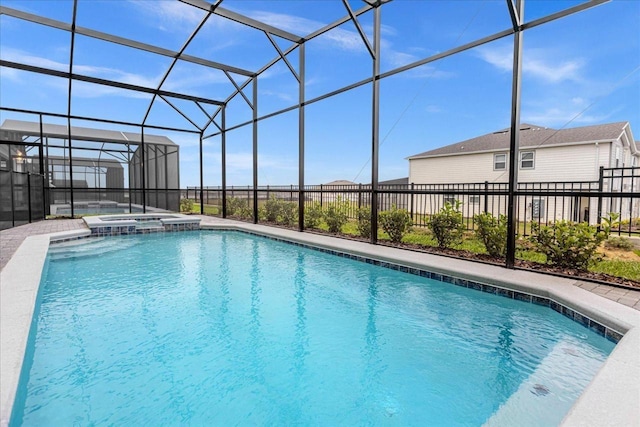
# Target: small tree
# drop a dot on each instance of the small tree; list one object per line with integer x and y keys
{"x": 364, "y": 221}
{"x": 396, "y": 223}
{"x": 313, "y": 215}
{"x": 446, "y": 225}
{"x": 492, "y": 232}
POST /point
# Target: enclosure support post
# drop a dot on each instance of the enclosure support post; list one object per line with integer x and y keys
{"x": 301, "y": 196}
{"x": 375, "y": 128}
{"x": 13, "y": 199}
{"x": 73, "y": 36}
{"x": 201, "y": 179}
{"x": 29, "y": 195}
{"x": 45, "y": 182}
{"x": 142, "y": 172}
{"x": 223, "y": 144}
{"x": 255, "y": 150}
{"x": 514, "y": 137}
{"x": 131, "y": 174}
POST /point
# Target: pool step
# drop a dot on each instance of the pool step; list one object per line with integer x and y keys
{"x": 533, "y": 403}
{"x": 88, "y": 247}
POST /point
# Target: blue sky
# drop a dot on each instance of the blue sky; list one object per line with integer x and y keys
{"x": 577, "y": 71}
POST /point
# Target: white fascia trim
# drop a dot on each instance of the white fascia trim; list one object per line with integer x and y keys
{"x": 522, "y": 148}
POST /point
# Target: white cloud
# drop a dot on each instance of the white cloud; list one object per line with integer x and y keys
{"x": 15, "y": 55}
{"x": 170, "y": 16}
{"x": 563, "y": 114}
{"x": 542, "y": 64}
{"x": 10, "y": 74}
{"x": 280, "y": 95}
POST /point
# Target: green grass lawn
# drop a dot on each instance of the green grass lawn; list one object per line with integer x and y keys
{"x": 208, "y": 209}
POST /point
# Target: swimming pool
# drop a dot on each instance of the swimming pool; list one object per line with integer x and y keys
{"x": 227, "y": 328}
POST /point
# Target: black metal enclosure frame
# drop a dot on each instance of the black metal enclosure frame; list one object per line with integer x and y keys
{"x": 248, "y": 90}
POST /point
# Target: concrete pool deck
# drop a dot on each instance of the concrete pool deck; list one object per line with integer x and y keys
{"x": 611, "y": 399}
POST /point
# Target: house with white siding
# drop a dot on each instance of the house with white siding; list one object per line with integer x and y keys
{"x": 568, "y": 158}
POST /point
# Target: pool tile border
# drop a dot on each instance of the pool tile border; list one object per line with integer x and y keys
{"x": 608, "y": 333}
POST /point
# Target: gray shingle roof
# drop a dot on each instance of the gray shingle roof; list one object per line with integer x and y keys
{"x": 530, "y": 136}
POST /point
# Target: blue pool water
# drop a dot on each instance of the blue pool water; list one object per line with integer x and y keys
{"x": 224, "y": 328}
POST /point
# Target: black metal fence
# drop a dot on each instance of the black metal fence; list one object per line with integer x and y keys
{"x": 22, "y": 198}
{"x": 617, "y": 191}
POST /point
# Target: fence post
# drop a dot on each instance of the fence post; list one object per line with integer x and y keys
{"x": 291, "y": 193}
{"x": 411, "y": 201}
{"x": 486, "y": 196}
{"x": 359, "y": 196}
{"x": 321, "y": 193}
{"x": 600, "y": 189}
{"x": 29, "y": 194}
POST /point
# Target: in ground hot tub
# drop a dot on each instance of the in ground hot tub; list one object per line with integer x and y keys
{"x": 105, "y": 225}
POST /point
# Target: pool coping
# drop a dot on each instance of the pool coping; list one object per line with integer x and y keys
{"x": 610, "y": 399}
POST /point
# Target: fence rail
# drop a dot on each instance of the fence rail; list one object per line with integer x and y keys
{"x": 617, "y": 191}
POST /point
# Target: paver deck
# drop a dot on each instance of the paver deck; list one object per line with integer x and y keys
{"x": 11, "y": 239}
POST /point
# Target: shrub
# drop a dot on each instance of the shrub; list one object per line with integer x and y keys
{"x": 186, "y": 205}
{"x": 288, "y": 213}
{"x": 396, "y": 223}
{"x": 245, "y": 212}
{"x": 234, "y": 205}
{"x": 364, "y": 221}
{"x": 336, "y": 215}
{"x": 313, "y": 215}
{"x": 569, "y": 244}
{"x": 239, "y": 208}
{"x": 619, "y": 243}
{"x": 492, "y": 232}
{"x": 272, "y": 209}
{"x": 446, "y": 225}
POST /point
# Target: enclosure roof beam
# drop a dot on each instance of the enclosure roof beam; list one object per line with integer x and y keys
{"x": 245, "y": 20}
{"x": 104, "y": 82}
{"x": 173, "y": 63}
{"x": 359, "y": 28}
{"x": 337, "y": 23}
{"x": 121, "y": 40}
{"x": 284, "y": 58}
{"x": 180, "y": 112}
{"x": 97, "y": 120}
{"x": 515, "y": 16}
{"x": 563, "y": 13}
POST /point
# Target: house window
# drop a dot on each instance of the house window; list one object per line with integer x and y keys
{"x": 474, "y": 199}
{"x": 450, "y": 198}
{"x": 526, "y": 160}
{"x": 499, "y": 162}
{"x": 617, "y": 158}
{"x": 634, "y": 161}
